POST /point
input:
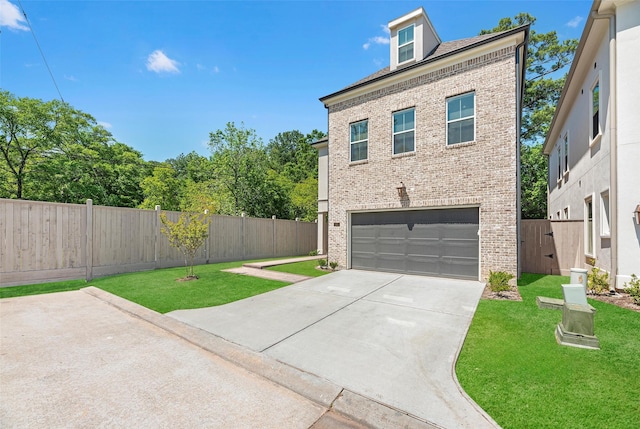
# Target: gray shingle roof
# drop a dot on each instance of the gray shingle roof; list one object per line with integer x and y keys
{"x": 442, "y": 50}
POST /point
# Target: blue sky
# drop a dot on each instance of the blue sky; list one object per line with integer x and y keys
{"x": 161, "y": 75}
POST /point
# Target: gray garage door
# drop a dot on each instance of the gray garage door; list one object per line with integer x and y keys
{"x": 441, "y": 242}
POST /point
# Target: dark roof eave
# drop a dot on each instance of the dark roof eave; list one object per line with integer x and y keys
{"x": 507, "y": 33}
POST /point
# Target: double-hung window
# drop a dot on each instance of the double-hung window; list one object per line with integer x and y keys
{"x": 359, "y": 140}
{"x": 595, "y": 110}
{"x": 559, "y": 159}
{"x": 405, "y": 44}
{"x": 565, "y": 148}
{"x": 461, "y": 119}
{"x": 404, "y": 127}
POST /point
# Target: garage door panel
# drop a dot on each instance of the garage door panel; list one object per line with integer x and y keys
{"x": 438, "y": 242}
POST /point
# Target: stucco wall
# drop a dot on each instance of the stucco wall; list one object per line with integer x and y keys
{"x": 481, "y": 173}
{"x": 628, "y": 40}
{"x": 589, "y": 163}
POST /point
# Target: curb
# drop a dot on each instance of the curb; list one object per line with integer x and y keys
{"x": 335, "y": 399}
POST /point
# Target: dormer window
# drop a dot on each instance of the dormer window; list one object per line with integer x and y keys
{"x": 405, "y": 44}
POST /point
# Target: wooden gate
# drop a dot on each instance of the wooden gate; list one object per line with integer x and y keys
{"x": 551, "y": 246}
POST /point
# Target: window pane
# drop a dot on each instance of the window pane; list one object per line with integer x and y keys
{"x": 589, "y": 226}
{"x": 405, "y": 35}
{"x": 453, "y": 109}
{"x": 596, "y": 97}
{"x": 359, "y": 131}
{"x": 405, "y": 53}
{"x": 403, "y": 121}
{"x": 466, "y": 105}
{"x": 460, "y": 132}
{"x": 403, "y": 142}
{"x": 359, "y": 151}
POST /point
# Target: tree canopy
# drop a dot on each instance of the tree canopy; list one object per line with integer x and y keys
{"x": 547, "y": 60}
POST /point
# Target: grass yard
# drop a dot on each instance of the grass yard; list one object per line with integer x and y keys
{"x": 159, "y": 291}
{"x": 512, "y": 366}
{"x": 305, "y": 268}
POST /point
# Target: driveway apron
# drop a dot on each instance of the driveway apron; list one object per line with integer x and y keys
{"x": 392, "y": 338}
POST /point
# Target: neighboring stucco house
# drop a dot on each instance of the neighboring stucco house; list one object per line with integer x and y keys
{"x": 419, "y": 173}
{"x": 594, "y": 141}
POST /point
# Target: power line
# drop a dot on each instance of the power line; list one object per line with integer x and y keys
{"x": 40, "y": 49}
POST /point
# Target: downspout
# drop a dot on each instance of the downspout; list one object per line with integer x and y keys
{"x": 613, "y": 143}
{"x": 520, "y": 78}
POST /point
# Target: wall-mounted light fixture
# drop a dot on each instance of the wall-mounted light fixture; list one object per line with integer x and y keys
{"x": 637, "y": 214}
{"x": 402, "y": 190}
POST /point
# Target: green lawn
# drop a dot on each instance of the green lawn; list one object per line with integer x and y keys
{"x": 305, "y": 268}
{"x": 512, "y": 366}
{"x": 159, "y": 291}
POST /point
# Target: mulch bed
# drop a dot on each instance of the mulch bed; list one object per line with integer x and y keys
{"x": 510, "y": 295}
{"x": 621, "y": 299}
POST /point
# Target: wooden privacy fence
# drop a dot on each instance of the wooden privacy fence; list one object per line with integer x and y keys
{"x": 551, "y": 246}
{"x": 42, "y": 241}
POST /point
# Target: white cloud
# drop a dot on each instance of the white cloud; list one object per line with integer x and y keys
{"x": 216, "y": 69}
{"x": 574, "y": 22}
{"x": 11, "y": 17}
{"x": 72, "y": 78}
{"x": 158, "y": 62}
{"x": 200, "y": 67}
{"x": 378, "y": 40}
{"x": 104, "y": 124}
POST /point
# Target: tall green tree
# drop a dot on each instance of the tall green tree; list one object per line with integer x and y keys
{"x": 162, "y": 188}
{"x": 547, "y": 61}
{"x": 240, "y": 166}
{"x": 50, "y": 151}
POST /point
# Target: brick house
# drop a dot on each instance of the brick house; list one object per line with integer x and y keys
{"x": 419, "y": 173}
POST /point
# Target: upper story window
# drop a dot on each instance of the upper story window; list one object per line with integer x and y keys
{"x": 565, "y": 147}
{"x": 461, "y": 119}
{"x": 404, "y": 127}
{"x": 405, "y": 44}
{"x": 595, "y": 110}
{"x": 559, "y": 161}
{"x": 359, "y": 140}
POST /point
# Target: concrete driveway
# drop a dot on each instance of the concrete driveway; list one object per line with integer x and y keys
{"x": 388, "y": 337}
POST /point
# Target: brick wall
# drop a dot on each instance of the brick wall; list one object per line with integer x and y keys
{"x": 481, "y": 173}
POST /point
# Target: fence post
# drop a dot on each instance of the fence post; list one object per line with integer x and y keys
{"x": 273, "y": 223}
{"x": 89, "y": 241}
{"x": 156, "y": 238}
{"x": 242, "y": 233}
{"x": 206, "y": 242}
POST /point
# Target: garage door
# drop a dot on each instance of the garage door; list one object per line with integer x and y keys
{"x": 441, "y": 242}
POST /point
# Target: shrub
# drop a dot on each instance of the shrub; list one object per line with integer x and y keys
{"x": 499, "y": 281}
{"x": 633, "y": 288}
{"x": 322, "y": 263}
{"x": 333, "y": 265}
{"x": 313, "y": 253}
{"x": 597, "y": 281}
{"x": 187, "y": 234}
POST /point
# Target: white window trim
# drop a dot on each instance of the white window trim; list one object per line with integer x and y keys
{"x": 358, "y": 141}
{"x": 393, "y": 133}
{"x": 447, "y": 121}
{"x": 559, "y": 160}
{"x": 605, "y": 214}
{"x": 597, "y": 81}
{"x": 590, "y": 197}
{"x": 407, "y": 43}
{"x": 567, "y": 213}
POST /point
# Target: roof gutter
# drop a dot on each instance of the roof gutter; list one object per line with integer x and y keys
{"x": 613, "y": 141}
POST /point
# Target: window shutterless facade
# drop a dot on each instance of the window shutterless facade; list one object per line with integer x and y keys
{"x": 359, "y": 138}
{"x": 405, "y": 44}
{"x": 461, "y": 119}
{"x": 404, "y": 127}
